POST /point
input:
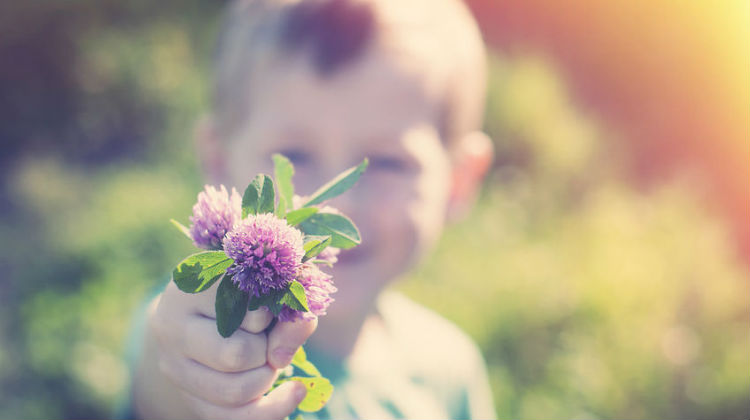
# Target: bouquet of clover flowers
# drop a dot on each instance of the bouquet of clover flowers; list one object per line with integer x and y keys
{"x": 266, "y": 253}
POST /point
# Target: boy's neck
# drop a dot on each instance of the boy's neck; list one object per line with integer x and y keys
{"x": 338, "y": 332}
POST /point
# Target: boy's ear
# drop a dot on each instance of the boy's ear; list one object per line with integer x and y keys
{"x": 208, "y": 146}
{"x": 472, "y": 158}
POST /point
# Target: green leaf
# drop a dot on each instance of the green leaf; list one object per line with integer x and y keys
{"x": 315, "y": 246}
{"x": 295, "y": 297}
{"x": 231, "y": 304}
{"x": 283, "y": 171}
{"x": 300, "y": 361}
{"x": 251, "y": 196}
{"x": 312, "y": 241}
{"x": 254, "y": 303}
{"x": 343, "y": 233}
{"x": 324, "y": 262}
{"x": 271, "y": 301}
{"x": 267, "y": 200}
{"x": 295, "y": 217}
{"x": 259, "y": 196}
{"x": 319, "y": 390}
{"x": 182, "y": 228}
{"x": 198, "y": 272}
{"x": 338, "y": 185}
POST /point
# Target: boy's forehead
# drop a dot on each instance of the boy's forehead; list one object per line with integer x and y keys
{"x": 380, "y": 92}
{"x": 433, "y": 46}
{"x": 380, "y": 105}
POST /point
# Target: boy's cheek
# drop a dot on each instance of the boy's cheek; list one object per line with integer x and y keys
{"x": 395, "y": 250}
{"x": 402, "y": 233}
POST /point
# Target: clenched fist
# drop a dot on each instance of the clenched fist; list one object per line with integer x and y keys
{"x": 188, "y": 370}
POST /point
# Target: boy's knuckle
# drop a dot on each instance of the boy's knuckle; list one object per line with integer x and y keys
{"x": 233, "y": 395}
{"x": 246, "y": 389}
{"x": 257, "y": 321}
{"x": 238, "y": 393}
{"x": 233, "y": 356}
{"x": 256, "y": 351}
{"x": 227, "y": 366}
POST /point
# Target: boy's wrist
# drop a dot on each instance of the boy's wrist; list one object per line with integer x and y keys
{"x": 153, "y": 395}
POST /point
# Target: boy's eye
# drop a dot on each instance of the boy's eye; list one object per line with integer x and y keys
{"x": 298, "y": 157}
{"x": 387, "y": 163}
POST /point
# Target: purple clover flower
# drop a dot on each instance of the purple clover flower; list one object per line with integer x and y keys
{"x": 318, "y": 288}
{"x": 330, "y": 255}
{"x": 267, "y": 253}
{"x": 214, "y": 215}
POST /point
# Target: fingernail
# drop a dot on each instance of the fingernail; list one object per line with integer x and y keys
{"x": 283, "y": 355}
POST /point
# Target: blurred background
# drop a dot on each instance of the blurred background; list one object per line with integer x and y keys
{"x": 606, "y": 264}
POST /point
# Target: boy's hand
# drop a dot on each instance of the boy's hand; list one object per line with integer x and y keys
{"x": 225, "y": 377}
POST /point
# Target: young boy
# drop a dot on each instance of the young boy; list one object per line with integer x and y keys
{"x": 327, "y": 83}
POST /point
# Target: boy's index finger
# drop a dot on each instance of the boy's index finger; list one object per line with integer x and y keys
{"x": 285, "y": 338}
{"x": 202, "y": 304}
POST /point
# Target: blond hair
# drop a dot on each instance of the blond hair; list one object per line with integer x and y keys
{"x": 441, "y": 34}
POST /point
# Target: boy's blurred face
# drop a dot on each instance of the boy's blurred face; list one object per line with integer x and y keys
{"x": 376, "y": 108}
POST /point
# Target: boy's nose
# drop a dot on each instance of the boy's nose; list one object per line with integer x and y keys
{"x": 345, "y": 204}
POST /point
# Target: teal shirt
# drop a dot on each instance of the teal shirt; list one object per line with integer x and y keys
{"x": 418, "y": 366}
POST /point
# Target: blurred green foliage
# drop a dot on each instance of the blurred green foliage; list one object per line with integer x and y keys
{"x": 589, "y": 298}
